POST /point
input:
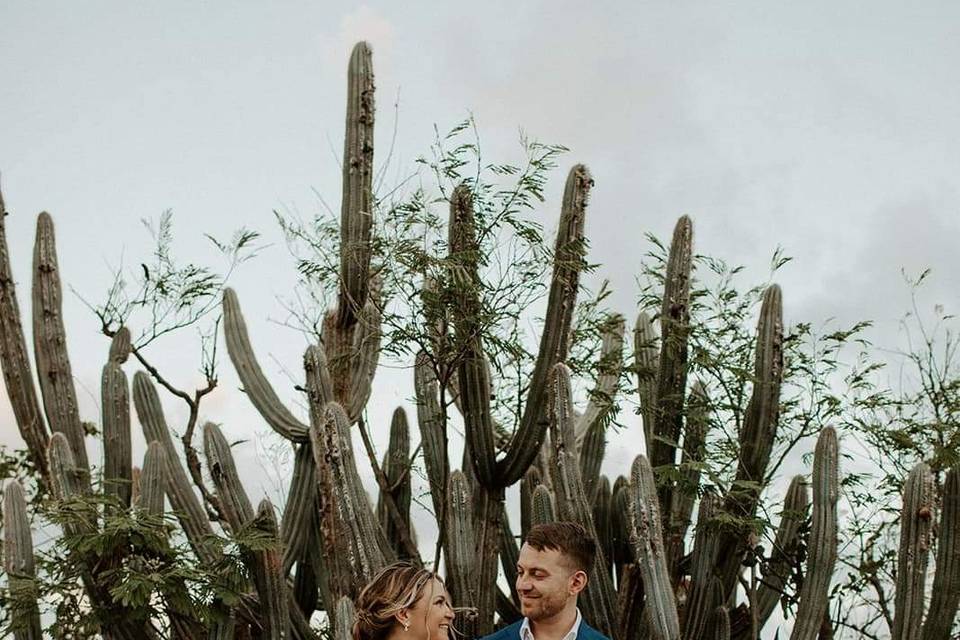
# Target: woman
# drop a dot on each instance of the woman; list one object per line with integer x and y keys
{"x": 404, "y": 602}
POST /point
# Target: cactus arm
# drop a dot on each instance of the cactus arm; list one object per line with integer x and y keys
{"x": 759, "y": 430}
{"x": 698, "y": 607}
{"x": 916, "y": 537}
{"x": 115, "y": 414}
{"x": 364, "y": 357}
{"x": 685, "y": 492}
{"x": 590, "y": 457}
{"x": 602, "y": 520}
{"x": 672, "y": 372}
{"x": 17, "y": 371}
{"x": 396, "y": 463}
{"x": 237, "y": 508}
{"x": 543, "y": 506}
{"x": 255, "y": 384}
{"x": 529, "y": 482}
{"x": 431, "y": 423}
{"x": 50, "y": 346}
{"x": 620, "y": 527}
{"x": 298, "y": 510}
{"x": 356, "y": 209}
{"x": 272, "y": 587}
{"x": 569, "y": 252}
{"x": 601, "y": 400}
{"x": 946, "y": 583}
{"x": 599, "y": 601}
{"x": 784, "y": 549}
{"x": 461, "y": 557}
{"x": 184, "y": 502}
{"x": 19, "y": 565}
{"x": 647, "y": 362}
{"x": 822, "y": 546}
{"x": 153, "y": 480}
{"x": 646, "y": 538}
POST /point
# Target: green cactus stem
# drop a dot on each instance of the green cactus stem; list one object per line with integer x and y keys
{"x": 396, "y": 468}
{"x": 255, "y": 384}
{"x": 647, "y": 541}
{"x": 916, "y": 539}
{"x": 528, "y": 483}
{"x": 602, "y": 520}
{"x": 184, "y": 502}
{"x": 50, "y": 347}
{"x": 688, "y": 486}
{"x": 543, "y": 508}
{"x": 120, "y": 346}
{"x": 345, "y": 618}
{"x": 115, "y": 415}
{"x": 17, "y": 371}
{"x": 601, "y": 402}
{"x": 646, "y": 356}
{"x": 822, "y": 545}
{"x": 356, "y": 209}
{"x": 431, "y": 424}
{"x": 599, "y": 601}
{"x": 461, "y": 558}
{"x": 620, "y": 527}
{"x": 509, "y": 554}
{"x": 758, "y": 432}
{"x": 590, "y": 457}
{"x": 946, "y": 582}
{"x": 785, "y": 549}
{"x": 153, "y": 480}
{"x": 700, "y": 596}
{"x": 237, "y": 508}
{"x": 19, "y": 565}
{"x": 272, "y": 587}
{"x": 672, "y": 372}
{"x": 298, "y": 512}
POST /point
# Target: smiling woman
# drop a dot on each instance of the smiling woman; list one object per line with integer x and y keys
{"x": 404, "y": 602}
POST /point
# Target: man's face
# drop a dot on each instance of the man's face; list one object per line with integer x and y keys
{"x": 546, "y": 582}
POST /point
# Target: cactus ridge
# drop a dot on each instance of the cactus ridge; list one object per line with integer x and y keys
{"x": 50, "y": 346}
{"x": 946, "y": 582}
{"x": 256, "y": 385}
{"x": 19, "y": 564}
{"x": 822, "y": 545}
{"x": 916, "y": 537}
{"x": 117, "y": 452}
{"x": 646, "y": 538}
{"x": 599, "y": 601}
{"x": 356, "y": 207}
{"x": 184, "y": 502}
{"x": 17, "y": 370}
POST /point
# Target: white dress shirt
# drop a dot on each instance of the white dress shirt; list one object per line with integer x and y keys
{"x": 526, "y": 633}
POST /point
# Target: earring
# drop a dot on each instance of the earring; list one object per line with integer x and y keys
{"x": 406, "y": 626}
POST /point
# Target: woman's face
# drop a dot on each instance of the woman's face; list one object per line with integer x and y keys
{"x": 432, "y": 615}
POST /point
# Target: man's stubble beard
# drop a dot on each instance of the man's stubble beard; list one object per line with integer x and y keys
{"x": 545, "y": 607}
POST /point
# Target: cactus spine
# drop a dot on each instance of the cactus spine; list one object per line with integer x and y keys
{"x": 19, "y": 565}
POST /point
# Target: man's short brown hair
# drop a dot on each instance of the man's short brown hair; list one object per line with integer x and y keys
{"x": 569, "y": 538}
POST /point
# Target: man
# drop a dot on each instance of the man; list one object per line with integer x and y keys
{"x": 552, "y": 570}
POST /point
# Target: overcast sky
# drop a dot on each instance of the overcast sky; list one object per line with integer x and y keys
{"x": 828, "y": 128}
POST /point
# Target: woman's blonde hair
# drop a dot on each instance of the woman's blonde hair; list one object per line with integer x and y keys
{"x": 395, "y": 588}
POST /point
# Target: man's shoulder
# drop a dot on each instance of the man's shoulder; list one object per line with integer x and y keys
{"x": 507, "y": 633}
{"x": 589, "y": 633}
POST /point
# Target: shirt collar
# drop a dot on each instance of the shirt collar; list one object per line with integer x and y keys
{"x": 526, "y": 633}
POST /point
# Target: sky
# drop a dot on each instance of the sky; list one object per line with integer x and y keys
{"x": 826, "y": 128}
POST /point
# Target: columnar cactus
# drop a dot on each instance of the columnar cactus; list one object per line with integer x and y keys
{"x": 916, "y": 537}
{"x": 115, "y": 409}
{"x": 647, "y": 365}
{"x": 19, "y": 565}
{"x": 396, "y": 468}
{"x": 946, "y": 582}
{"x": 822, "y": 546}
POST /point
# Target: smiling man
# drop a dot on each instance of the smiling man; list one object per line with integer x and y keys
{"x": 551, "y": 571}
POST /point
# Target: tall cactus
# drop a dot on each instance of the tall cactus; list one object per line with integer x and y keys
{"x": 396, "y": 468}
{"x": 946, "y": 582}
{"x": 17, "y": 372}
{"x": 19, "y": 564}
{"x": 599, "y": 601}
{"x": 647, "y": 364}
{"x": 822, "y": 546}
{"x": 462, "y": 549}
{"x": 646, "y": 538}
{"x": 785, "y": 549}
{"x": 115, "y": 410}
{"x": 916, "y": 537}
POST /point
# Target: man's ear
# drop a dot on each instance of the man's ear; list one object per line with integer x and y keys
{"x": 578, "y": 582}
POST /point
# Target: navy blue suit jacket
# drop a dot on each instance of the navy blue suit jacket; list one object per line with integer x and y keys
{"x": 512, "y": 632}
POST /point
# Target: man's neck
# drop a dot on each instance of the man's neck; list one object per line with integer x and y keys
{"x": 555, "y": 627}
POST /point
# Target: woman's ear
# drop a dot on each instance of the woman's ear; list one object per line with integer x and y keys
{"x": 403, "y": 619}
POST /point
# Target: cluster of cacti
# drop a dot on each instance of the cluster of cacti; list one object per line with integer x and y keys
{"x": 331, "y": 540}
